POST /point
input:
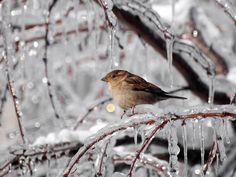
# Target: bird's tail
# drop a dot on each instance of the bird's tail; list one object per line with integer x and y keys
{"x": 176, "y": 97}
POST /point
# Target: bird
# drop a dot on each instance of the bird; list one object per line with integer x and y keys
{"x": 129, "y": 90}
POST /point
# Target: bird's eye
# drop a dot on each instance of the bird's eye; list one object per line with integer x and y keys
{"x": 113, "y": 76}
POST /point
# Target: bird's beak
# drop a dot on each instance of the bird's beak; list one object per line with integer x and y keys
{"x": 104, "y": 79}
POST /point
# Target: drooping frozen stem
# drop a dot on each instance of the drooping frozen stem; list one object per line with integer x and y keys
{"x": 210, "y": 158}
{"x": 8, "y": 53}
{"x": 81, "y": 119}
{"x": 104, "y": 153}
{"x": 145, "y": 144}
{"x": 45, "y": 60}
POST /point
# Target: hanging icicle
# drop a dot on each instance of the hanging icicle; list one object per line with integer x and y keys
{"x": 185, "y": 141}
{"x": 173, "y": 149}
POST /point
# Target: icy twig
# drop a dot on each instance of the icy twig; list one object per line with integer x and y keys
{"x": 39, "y": 153}
{"x": 228, "y": 8}
{"x": 145, "y": 144}
{"x": 99, "y": 173}
{"x": 59, "y": 21}
{"x": 97, "y": 139}
{"x": 105, "y": 9}
{"x": 233, "y": 100}
{"x": 3, "y": 101}
{"x": 11, "y": 88}
{"x": 90, "y": 110}
{"x": 145, "y": 160}
{"x": 45, "y": 59}
{"x": 210, "y": 158}
{"x": 16, "y": 105}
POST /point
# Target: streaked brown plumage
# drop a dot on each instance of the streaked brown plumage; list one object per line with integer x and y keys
{"x": 129, "y": 90}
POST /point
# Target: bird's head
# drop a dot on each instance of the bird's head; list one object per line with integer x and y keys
{"x": 115, "y": 76}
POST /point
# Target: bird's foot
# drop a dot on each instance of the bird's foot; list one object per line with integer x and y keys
{"x": 123, "y": 114}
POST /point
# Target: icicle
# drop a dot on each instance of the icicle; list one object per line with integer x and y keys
{"x": 48, "y": 168}
{"x": 219, "y": 130}
{"x": 185, "y": 140}
{"x": 114, "y": 63}
{"x": 217, "y": 163}
{"x": 169, "y": 51}
{"x": 211, "y": 90}
{"x": 136, "y": 137}
{"x": 173, "y": 13}
{"x": 202, "y": 146}
{"x": 227, "y": 139}
{"x": 194, "y": 135}
{"x": 173, "y": 149}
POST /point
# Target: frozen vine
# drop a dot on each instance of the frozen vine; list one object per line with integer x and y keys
{"x": 228, "y": 8}
{"x": 45, "y": 59}
{"x": 10, "y": 84}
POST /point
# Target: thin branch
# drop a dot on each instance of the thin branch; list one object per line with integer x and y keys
{"x": 145, "y": 161}
{"x": 3, "y": 101}
{"x": 45, "y": 59}
{"x": 210, "y": 158}
{"x": 99, "y": 173}
{"x": 39, "y": 153}
{"x": 228, "y": 8}
{"x": 90, "y": 110}
{"x": 145, "y": 144}
{"x": 105, "y": 9}
{"x": 233, "y": 100}
{"x": 10, "y": 84}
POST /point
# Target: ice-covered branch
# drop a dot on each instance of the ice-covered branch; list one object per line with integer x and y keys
{"x": 102, "y": 135}
{"x": 45, "y": 59}
{"x": 142, "y": 119}
{"x": 210, "y": 158}
{"x": 145, "y": 145}
{"x": 228, "y": 8}
{"x": 145, "y": 160}
{"x": 90, "y": 110}
{"x": 3, "y": 100}
{"x": 233, "y": 100}
{"x": 99, "y": 173}
{"x": 10, "y": 84}
{"x": 37, "y": 154}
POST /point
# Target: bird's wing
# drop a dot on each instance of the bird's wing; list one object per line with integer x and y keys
{"x": 139, "y": 84}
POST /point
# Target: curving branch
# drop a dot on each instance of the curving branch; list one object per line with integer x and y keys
{"x": 145, "y": 145}
{"x": 45, "y": 59}
{"x": 228, "y": 8}
{"x": 90, "y": 110}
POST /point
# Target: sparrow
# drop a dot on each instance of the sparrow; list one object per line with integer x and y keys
{"x": 129, "y": 90}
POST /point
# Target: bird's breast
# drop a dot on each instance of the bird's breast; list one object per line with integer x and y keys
{"x": 124, "y": 97}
